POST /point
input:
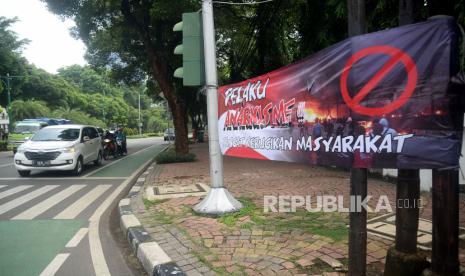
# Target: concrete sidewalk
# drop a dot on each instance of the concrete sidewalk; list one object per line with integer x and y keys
{"x": 255, "y": 242}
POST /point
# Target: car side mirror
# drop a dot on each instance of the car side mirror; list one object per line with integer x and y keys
{"x": 86, "y": 138}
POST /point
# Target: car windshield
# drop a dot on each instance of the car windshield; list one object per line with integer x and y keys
{"x": 26, "y": 128}
{"x": 56, "y": 134}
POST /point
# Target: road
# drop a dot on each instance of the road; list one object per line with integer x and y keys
{"x": 55, "y": 224}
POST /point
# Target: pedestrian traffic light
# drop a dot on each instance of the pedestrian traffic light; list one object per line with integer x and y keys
{"x": 193, "y": 70}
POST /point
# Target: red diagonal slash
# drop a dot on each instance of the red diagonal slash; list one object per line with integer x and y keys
{"x": 397, "y": 56}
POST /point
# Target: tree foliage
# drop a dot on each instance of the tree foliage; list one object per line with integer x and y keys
{"x": 78, "y": 93}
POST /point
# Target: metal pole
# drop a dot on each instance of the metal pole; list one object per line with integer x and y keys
{"x": 218, "y": 200}
{"x": 140, "y": 130}
{"x": 103, "y": 105}
{"x": 8, "y": 109}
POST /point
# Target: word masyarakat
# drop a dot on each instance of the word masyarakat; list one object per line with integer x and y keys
{"x": 362, "y": 143}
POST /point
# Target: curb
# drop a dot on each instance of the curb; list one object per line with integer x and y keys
{"x": 152, "y": 257}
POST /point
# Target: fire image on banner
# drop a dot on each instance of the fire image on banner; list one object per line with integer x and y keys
{"x": 390, "y": 99}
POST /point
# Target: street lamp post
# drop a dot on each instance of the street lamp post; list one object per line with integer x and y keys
{"x": 8, "y": 90}
{"x": 218, "y": 200}
{"x": 8, "y": 108}
{"x": 140, "y": 124}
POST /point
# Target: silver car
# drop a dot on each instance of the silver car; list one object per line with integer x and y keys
{"x": 60, "y": 147}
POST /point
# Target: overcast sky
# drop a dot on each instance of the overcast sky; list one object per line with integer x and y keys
{"x": 51, "y": 46}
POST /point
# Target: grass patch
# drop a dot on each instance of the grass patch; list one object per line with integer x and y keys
{"x": 170, "y": 156}
{"x": 150, "y": 203}
{"x": 318, "y": 267}
{"x": 330, "y": 225}
{"x": 231, "y": 219}
{"x": 163, "y": 218}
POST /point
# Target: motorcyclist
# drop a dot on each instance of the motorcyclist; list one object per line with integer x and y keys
{"x": 110, "y": 136}
{"x": 120, "y": 135}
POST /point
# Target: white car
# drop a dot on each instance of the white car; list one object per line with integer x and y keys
{"x": 59, "y": 147}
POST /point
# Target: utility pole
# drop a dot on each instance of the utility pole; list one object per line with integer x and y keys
{"x": 8, "y": 90}
{"x": 218, "y": 200}
{"x": 358, "y": 176}
{"x": 139, "y": 124}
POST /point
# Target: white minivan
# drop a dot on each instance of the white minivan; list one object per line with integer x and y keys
{"x": 60, "y": 147}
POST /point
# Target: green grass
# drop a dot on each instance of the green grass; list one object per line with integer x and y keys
{"x": 330, "y": 225}
{"x": 170, "y": 156}
{"x": 163, "y": 218}
{"x": 150, "y": 203}
{"x": 318, "y": 267}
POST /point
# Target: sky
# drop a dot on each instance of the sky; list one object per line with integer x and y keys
{"x": 51, "y": 45}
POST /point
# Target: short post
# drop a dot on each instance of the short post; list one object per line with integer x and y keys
{"x": 219, "y": 200}
{"x": 402, "y": 258}
{"x": 445, "y": 256}
{"x": 357, "y": 223}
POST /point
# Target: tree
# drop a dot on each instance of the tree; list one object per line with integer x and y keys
{"x": 11, "y": 61}
{"x": 135, "y": 39}
{"x": 21, "y": 110}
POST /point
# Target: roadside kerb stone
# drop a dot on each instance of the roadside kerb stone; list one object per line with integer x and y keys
{"x": 151, "y": 255}
{"x": 136, "y": 236}
{"x": 154, "y": 260}
{"x": 128, "y": 221}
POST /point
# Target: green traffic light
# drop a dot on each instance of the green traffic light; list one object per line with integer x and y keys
{"x": 191, "y": 50}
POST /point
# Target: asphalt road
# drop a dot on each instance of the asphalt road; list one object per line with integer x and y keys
{"x": 55, "y": 224}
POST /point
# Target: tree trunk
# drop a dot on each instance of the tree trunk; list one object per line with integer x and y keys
{"x": 358, "y": 176}
{"x": 160, "y": 72}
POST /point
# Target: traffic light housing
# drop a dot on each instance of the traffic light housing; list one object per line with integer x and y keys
{"x": 193, "y": 69}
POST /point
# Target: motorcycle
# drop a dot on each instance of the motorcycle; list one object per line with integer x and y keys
{"x": 109, "y": 148}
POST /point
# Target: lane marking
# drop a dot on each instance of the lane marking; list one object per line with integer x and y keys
{"x": 6, "y": 165}
{"x": 96, "y": 250}
{"x": 56, "y": 263}
{"x": 62, "y": 178}
{"x": 40, "y": 208}
{"x": 14, "y": 190}
{"x": 25, "y": 198}
{"x": 114, "y": 162}
{"x": 1, "y": 186}
{"x": 82, "y": 203}
{"x": 77, "y": 237}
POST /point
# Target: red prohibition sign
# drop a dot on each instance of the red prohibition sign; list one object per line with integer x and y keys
{"x": 396, "y": 55}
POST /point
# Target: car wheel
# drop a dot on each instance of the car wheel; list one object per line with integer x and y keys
{"x": 98, "y": 161}
{"x": 78, "y": 168}
{"x": 24, "y": 173}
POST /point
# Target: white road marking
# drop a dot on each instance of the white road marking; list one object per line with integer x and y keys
{"x": 1, "y": 186}
{"x": 38, "y": 209}
{"x": 77, "y": 207}
{"x": 77, "y": 237}
{"x": 6, "y": 165}
{"x": 96, "y": 250}
{"x": 56, "y": 263}
{"x": 25, "y": 198}
{"x": 14, "y": 190}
